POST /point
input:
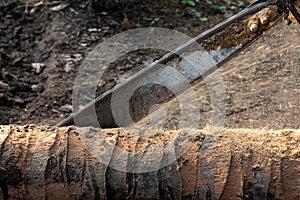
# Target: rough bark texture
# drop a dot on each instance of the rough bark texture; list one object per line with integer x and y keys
{"x": 50, "y": 163}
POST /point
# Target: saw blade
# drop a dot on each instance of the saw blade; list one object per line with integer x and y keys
{"x": 197, "y": 58}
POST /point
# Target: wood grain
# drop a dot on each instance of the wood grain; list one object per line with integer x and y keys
{"x": 51, "y": 163}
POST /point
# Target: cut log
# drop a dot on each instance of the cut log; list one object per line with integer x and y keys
{"x": 89, "y": 163}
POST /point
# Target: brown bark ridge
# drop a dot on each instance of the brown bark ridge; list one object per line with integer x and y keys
{"x": 56, "y": 163}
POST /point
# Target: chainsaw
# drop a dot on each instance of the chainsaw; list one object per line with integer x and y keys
{"x": 221, "y": 43}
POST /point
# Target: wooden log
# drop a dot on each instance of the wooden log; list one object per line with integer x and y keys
{"x": 85, "y": 163}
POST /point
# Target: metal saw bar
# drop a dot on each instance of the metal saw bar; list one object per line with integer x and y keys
{"x": 200, "y": 62}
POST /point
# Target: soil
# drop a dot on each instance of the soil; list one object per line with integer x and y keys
{"x": 41, "y": 50}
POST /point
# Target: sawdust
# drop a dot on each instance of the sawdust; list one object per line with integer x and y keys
{"x": 239, "y": 33}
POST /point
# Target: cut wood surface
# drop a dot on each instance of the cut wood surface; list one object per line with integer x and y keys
{"x": 82, "y": 163}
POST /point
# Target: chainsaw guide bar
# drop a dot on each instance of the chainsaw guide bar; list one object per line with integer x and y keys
{"x": 197, "y": 58}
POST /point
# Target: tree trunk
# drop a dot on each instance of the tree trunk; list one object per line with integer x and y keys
{"x": 86, "y": 163}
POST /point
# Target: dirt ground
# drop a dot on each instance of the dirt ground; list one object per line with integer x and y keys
{"x": 41, "y": 51}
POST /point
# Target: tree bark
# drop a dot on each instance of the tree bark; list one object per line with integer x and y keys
{"x": 80, "y": 163}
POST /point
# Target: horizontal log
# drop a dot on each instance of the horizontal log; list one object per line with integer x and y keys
{"x": 89, "y": 163}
